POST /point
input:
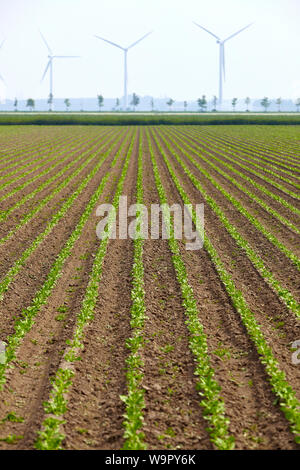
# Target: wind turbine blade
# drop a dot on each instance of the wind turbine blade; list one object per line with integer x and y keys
{"x": 66, "y": 57}
{"x": 46, "y": 69}
{"x": 139, "y": 40}
{"x": 2, "y": 43}
{"x": 1, "y": 78}
{"x": 110, "y": 42}
{"x": 238, "y": 32}
{"x": 47, "y": 45}
{"x": 209, "y": 32}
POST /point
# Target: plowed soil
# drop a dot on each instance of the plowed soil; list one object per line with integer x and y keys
{"x": 172, "y": 416}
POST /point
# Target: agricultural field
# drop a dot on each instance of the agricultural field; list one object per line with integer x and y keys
{"x": 139, "y": 343}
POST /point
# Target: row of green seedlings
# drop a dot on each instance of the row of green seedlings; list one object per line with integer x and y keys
{"x": 230, "y": 154}
{"x": 34, "y": 159}
{"x": 264, "y": 177}
{"x": 282, "y": 139}
{"x": 51, "y": 437}
{"x": 31, "y": 180}
{"x": 240, "y": 186}
{"x": 89, "y": 154}
{"x": 279, "y": 156}
{"x": 252, "y": 151}
{"x": 134, "y": 400}
{"x": 13, "y": 271}
{"x": 24, "y": 324}
{"x": 252, "y": 219}
{"x": 77, "y": 146}
{"x": 285, "y": 394}
{"x": 262, "y": 166}
{"x": 286, "y": 297}
{"x": 207, "y": 386}
{"x": 38, "y": 164}
{"x": 34, "y": 150}
{"x": 258, "y": 186}
{"x": 57, "y": 162}
{"x": 28, "y": 145}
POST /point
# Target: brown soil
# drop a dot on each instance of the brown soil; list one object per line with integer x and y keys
{"x": 173, "y": 413}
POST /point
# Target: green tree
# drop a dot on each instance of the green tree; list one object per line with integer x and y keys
{"x": 185, "y": 104}
{"x": 100, "y": 101}
{"x": 298, "y": 104}
{"x": 202, "y": 103}
{"x": 30, "y": 104}
{"x": 214, "y": 101}
{"x": 278, "y": 102}
{"x": 247, "y": 102}
{"x": 50, "y": 101}
{"x": 265, "y": 103}
{"x": 117, "y": 103}
{"x": 67, "y": 104}
{"x": 170, "y": 103}
{"x": 135, "y": 101}
{"x": 234, "y": 102}
{"x": 16, "y": 104}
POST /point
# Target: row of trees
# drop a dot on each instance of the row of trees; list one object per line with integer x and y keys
{"x": 265, "y": 103}
{"x": 202, "y": 103}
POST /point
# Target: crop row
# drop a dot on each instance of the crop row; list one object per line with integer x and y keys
{"x": 262, "y": 188}
{"x": 285, "y": 394}
{"x": 250, "y": 169}
{"x": 242, "y": 210}
{"x": 25, "y": 322}
{"x": 51, "y": 437}
{"x": 36, "y": 147}
{"x": 206, "y": 384}
{"x": 281, "y": 149}
{"x": 34, "y": 159}
{"x": 255, "y": 259}
{"x": 13, "y": 271}
{"x": 240, "y": 186}
{"x": 41, "y": 161}
{"x": 91, "y": 155}
{"x": 77, "y": 146}
{"x": 252, "y": 151}
{"x": 134, "y": 400}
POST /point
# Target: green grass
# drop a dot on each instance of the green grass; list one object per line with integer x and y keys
{"x": 146, "y": 119}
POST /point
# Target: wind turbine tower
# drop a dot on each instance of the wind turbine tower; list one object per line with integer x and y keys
{"x": 222, "y": 56}
{"x": 49, "y": 66}
{"x": 125, "y": 50}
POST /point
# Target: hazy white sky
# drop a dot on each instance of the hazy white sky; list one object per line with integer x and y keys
{"x": 177, "y": 60}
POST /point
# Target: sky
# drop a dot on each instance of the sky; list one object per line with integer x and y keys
{"x": 177, "y": 60}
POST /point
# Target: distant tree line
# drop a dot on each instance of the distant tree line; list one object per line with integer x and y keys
{"x": 202, "y": 103}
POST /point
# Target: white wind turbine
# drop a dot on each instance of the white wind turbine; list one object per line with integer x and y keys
{"x": 125, "y": 50}
{"x": 222, "y": 55}
{"x": 50, "y": 66}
